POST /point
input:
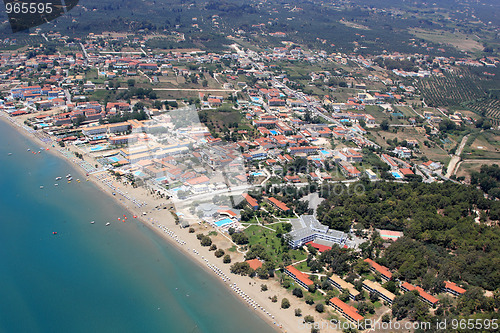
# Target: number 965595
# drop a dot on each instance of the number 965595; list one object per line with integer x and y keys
{"x": 28, "y": 8}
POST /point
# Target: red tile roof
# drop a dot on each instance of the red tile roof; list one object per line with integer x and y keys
{"x": 406, "y": 171}
{"x": 299, "y": 275}
{"x": 379, "y": 268}
{"x": 198, "y": 180}
{"x": 454, "y": 287}
{"x": 254, "y": 263}
{"x": 279, "y": 204}
{"x": 422, "y": 292}
{"x": 347, "y": 309}
{"x": 319, "y": 247}
{"x": 251, "y": 201}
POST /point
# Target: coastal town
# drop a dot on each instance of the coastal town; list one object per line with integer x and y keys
{"x": 242, "y": 150}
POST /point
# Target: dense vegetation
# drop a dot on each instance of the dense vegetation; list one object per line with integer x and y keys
{"x": 488, "y": 179}
{"x": 442, "y": 232}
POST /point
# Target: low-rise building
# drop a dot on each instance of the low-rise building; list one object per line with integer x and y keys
{"x": 384, "y": 272}
{"x": 347, "y": 311}
{"x": 342, "y": 285}
{"x": 383, "y": 293}
{"x": 278, "y": 204}
{"x": 453, "y": 289}
{"x": 251, "y": 201}
{"x": 423, "y": 295}
{"x": 299, "y": 277}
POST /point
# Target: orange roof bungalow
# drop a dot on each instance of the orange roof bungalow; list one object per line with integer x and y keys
{"x": 278, "y": 204}
{"x": 453, "y": 289}
{"x": 299, "y": 277}
{"x": 254, "y": 263}
{"x": 349, "y": 312}
{"x": 18, "y": 113}
{"x": 384, "y": 272}
{"x": 406, "y": 171}
{"x": 424, "y": 296}
{"x": 251, "y": 201}
{"x": 198, "y": 180}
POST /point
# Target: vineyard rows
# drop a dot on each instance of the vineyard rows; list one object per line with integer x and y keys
{"x": 451, "y": 90}
{"x": 487, "y": 107}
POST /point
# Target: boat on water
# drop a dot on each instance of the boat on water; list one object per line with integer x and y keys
{"x": 41, "y": 186}
{"x": 70, "y": 178}
{"x": 56, "y": 184}
{"x": 92, "y": 222}
{"x": 9, "y": 154}
{"x": 58, "y": 178}
{"x": 108, "y": 224}
{"x": 68, "y": 175}
{"x": 28, "y": 149}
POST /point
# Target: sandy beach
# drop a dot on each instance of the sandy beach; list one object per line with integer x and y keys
{"x": 155, "y": 213}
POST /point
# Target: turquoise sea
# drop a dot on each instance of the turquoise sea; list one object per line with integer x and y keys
{"x": 89, "y": 277}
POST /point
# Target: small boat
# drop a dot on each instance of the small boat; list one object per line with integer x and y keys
{"x": 68, "y": 175}
{"x": 58, "y": 178}
{"x": 54, "y": 232}
{"x": 108, "y": 224}
{"x": 41, "y": 186}
{"x": 92, "y": 222}
{"x": 9, "y": 154}
{"x": 56, "y": 184}
{"x": 28, "y": 149}
{"x": 70, "y": 178}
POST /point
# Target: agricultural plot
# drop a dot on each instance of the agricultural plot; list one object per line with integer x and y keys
{"x": 452, "y": 89}
{"x": 456, "y": 39}
{"x": 485, "y": 146}
{"x": 405, "y": 110}
{"x": 487, "y": 107}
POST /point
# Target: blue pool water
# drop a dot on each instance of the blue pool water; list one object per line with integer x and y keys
{"x": 96, "y": 148}
{"x": 223, "y": 222}
{"x": 114, "y": 159}
{"x": 396, "y": 175}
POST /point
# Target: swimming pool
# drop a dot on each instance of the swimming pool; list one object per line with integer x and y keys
{"x": 114, "y": 159}
{"x": 274, "y": 132}
{"x": 139, "y": 173}
{"x": 396, "y": 175}
{"x": 256, "y": 174}
{"x": 97, "y": 148}
{"x": 223, "y": 222}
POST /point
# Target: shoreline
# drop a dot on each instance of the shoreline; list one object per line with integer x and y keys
{"x": 161, "y": 221}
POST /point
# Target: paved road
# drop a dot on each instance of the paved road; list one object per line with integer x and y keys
{"x": 456, "y": 158}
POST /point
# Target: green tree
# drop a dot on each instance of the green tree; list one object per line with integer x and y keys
{"x": 285, "y": 303}
{"x": 297, "y": 292}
